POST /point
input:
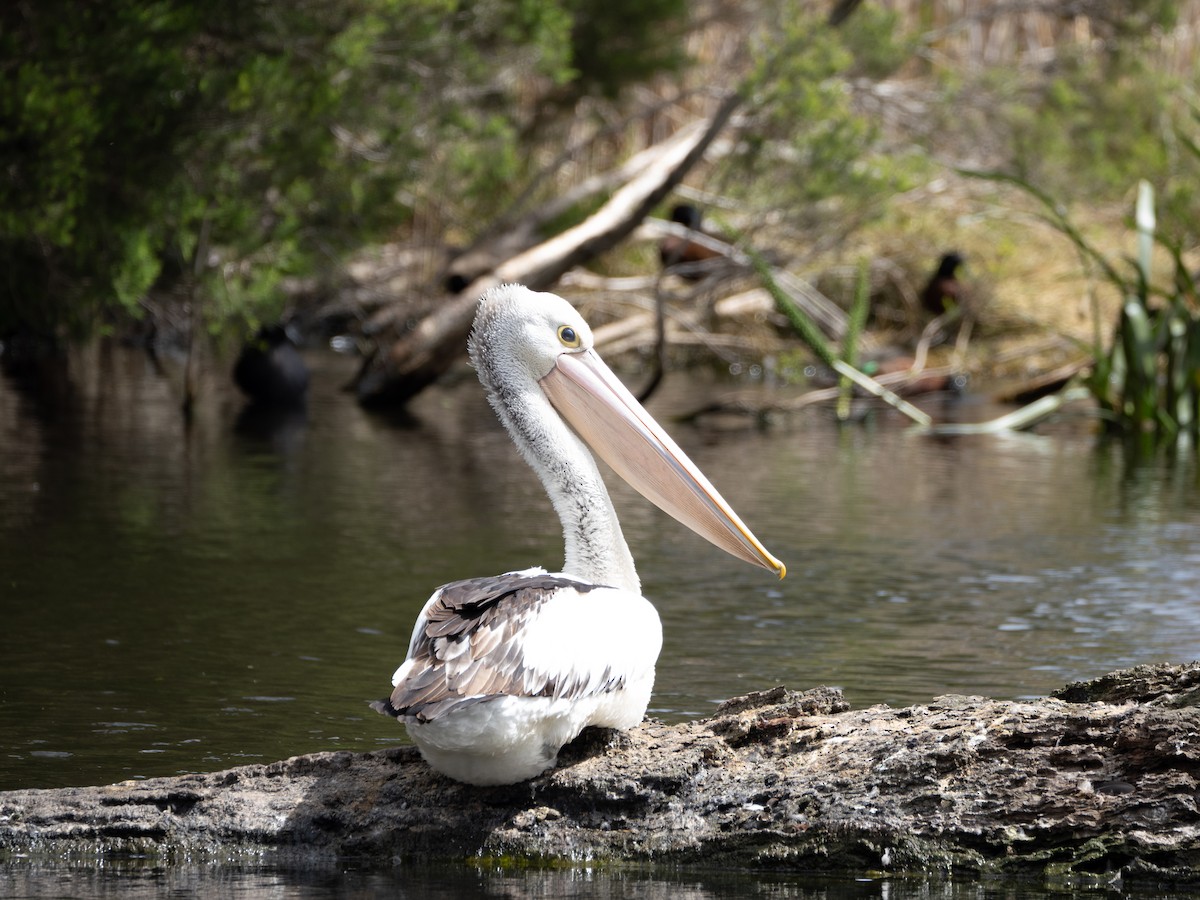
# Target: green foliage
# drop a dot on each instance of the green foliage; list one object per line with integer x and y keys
{"x": 483, "y": 158}
{"x": 615, "y": 43}
{"x": 874, "y": 40}
{"x": 854, "y": 328}
{"x": 144, "y": 141}
{"x": 1095, "y": 124}
{"x": 1148, "y": 381}
{"x": 1087, "y": 124}
{"x": 79, "y": 168}
{"x": 806, "y": 151}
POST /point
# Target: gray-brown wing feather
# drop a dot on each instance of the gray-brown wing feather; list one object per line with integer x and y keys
{"x": 470, "y": 648}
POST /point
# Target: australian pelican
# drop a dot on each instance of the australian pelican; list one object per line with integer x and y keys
{"x": 503, "y": 671}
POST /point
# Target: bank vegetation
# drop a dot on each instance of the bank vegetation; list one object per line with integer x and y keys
{"x": 181, "y": 175}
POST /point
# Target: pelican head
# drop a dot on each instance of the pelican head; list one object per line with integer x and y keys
{"x": 534, "y": 348}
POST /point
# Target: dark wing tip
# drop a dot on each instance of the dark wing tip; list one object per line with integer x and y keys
{"x": 384, "y": 707}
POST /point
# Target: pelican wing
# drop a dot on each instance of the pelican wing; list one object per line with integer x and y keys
{"x": 468, "y": 647}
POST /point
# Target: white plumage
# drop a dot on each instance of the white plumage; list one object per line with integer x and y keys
{"x": 501, "y": 672}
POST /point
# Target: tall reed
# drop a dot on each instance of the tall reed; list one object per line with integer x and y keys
{"x": 1147, "y": 382}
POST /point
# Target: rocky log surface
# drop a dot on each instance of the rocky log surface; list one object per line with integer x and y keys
{"x": 1099, "y": 782}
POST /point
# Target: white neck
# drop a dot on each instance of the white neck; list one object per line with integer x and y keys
{"x": 595, "y": 547}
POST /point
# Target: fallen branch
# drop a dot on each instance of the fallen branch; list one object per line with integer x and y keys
{"x": 1096, "y": 783}
{"x": 1025, "y": 417}
{"x": 683, "y": 327}
{"x": 1046, "y": 383}
{"x": 898, "y": 383}
{"x": 427, "y": 352}
{"x": 806, "y": 328}
{"x": 872, "y": 386}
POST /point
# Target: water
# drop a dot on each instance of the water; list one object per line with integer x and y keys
{"x": 184, "y": 599}
{"x": 129, "y": 880}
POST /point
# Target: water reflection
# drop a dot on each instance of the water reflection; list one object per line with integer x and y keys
{"x": 420, "y": 882}
{"x": 183, "y": 598}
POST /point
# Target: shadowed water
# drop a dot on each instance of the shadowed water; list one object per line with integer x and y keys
{"x": 129, "y": 880}
{"x": 180, "y": 599}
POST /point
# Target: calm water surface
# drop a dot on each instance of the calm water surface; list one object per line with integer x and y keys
{"x": 181, "y": 599}
{"x": 128, "y": 880}
{"x": 184, "y": 599}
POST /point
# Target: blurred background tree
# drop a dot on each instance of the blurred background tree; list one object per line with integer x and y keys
{"x": 214, "y": 150}
{"x": 146, "y": 143}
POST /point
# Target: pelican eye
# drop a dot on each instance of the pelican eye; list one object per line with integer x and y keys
{"x": 568, "y": 336}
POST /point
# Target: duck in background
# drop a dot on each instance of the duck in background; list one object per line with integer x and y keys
{"x": 944, "y": 291}
{"x": 270, "y": 370}
{"x": 683, "y": 256}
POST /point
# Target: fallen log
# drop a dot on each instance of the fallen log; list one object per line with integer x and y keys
{"x": 1099, "y": 782}
{"x": 512, "y": 235}
{"x": 1045, "y": 384}
{"x": 428, "y": 351}
{"x": 683, "y": 326}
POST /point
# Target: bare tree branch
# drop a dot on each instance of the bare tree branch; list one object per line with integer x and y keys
{"x": 427, "y": 352}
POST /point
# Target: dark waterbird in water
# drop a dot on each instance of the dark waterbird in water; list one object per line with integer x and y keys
{"x": 270, "y": 370}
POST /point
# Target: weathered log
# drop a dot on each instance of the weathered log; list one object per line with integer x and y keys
{"x": 512, "y": 235}
{"x": 684, "y": 326}
{"x": 429, "y": 350}
{"x": 1043, "y": 384}
{"x": 1098, "y": 782}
